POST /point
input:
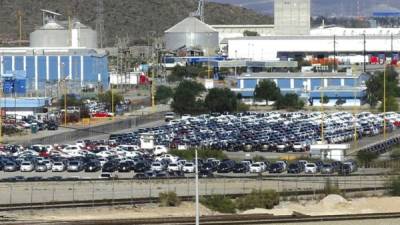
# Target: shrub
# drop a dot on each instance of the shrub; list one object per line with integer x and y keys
{"x": 258, "y": 199}
{"x": 259, "y": 158}
{"x": 219, "y": 203}
{"x": 394, "y": 186}
{"x": 331, "y": 188}
{"x": 168, "y": 199}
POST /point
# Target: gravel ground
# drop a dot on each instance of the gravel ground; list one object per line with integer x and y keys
{"x": 355, "y": 222}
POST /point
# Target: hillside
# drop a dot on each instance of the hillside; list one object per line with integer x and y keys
{"x": 340, "y": 8}
{"x": 133, "y": 18}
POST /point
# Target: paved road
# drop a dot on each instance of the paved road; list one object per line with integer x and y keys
{"x": 39, "y": 192}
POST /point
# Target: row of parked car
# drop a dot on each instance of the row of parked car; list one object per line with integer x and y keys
{"x": 266, "y": 132}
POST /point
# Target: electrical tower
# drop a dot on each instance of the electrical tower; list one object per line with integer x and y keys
{"x": 200, "y": 10}
{"x": 100, "y": 23}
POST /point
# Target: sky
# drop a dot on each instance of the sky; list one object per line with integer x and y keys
{"x": 325, "y": 7}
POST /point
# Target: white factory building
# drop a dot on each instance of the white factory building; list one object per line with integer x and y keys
{"x": 320, "y": 42}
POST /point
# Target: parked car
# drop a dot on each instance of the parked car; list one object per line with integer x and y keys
{"x": 189, "y": 168}
{"x": 310, "y": 168}
{"x": 27, "y": 166}
{"x": 276, "y": 168}
{"x": 41, "y": 167}
{"x": 75, "y": 166}
{"x": 58, "y": 167}
{"x": 11, "y": 167}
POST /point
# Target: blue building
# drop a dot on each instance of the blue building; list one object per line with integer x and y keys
{"x": 45, "y": 67}
{"x": 306, "y": 85}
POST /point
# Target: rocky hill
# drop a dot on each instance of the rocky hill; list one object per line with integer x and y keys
{"x": 136, "y": 19}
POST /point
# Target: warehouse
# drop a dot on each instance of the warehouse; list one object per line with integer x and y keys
{"x": 307, "y": 85}
{"x": 59, "y": 51}
{"x": 48, "y": 66}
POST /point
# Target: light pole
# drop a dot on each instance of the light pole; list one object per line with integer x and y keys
{"x": 197, "y": 189}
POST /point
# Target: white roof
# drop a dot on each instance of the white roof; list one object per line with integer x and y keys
{"x": 191, "y": 25}
{"x": 341, "y": 31}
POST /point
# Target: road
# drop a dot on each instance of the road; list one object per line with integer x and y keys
{"x": 41, "y": 192}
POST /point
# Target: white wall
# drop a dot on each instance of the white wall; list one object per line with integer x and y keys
{"x": 267, "y": 49}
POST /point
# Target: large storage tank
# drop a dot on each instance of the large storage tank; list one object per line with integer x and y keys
{"x": 51, "y": 34}
{"x": 83, "y": 36}
{"x": 192, "y": 33}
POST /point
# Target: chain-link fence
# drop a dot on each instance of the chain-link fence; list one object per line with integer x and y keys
{"x": 75, "y": 191}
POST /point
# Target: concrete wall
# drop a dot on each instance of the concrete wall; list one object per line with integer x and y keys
{"x": 292, "y": 17}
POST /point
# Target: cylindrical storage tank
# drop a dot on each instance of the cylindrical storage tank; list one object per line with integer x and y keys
{"x": 192, "y": 33}
{"x": 50, "y": 35}
{"x": 83, "y": 36}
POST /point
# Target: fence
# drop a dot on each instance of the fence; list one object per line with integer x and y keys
{"x": 74, "y": 191}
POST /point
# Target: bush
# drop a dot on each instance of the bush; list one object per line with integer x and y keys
{"x": 202, "y": 153}
{"x": 258, "y": 199}
{"x": 394, "y": 186}
{"x": 241, "y": 107}
{"x": 259, "y": 158}
{"x": 219, "y": 203}
{"x": 331, "y": 188}
{"x": 365, "y": 158}
{"x": 169, "y": 199}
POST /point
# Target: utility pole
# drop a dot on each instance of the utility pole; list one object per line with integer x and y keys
{"x": 197, "y": 189}
{"x": 364, "y": 52}
{"x": 334, "y": 53}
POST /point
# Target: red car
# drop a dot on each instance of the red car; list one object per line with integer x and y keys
{"x": 101, "y": 114}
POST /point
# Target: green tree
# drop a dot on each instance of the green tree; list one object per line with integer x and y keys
{"x": 163, "y": 94}
{"x": 289, "y": 101}
{"x": 391, "y": 104}
{"x": 107, "y": 98}
{"x": 365, "y": 158}
{"x": 325, "y": 99}
{"x": 248, "y": 33}
{"x": 178, "y": 73}
{"x": 221, "y": 100}
{"x": 267, "y": 90}
{"x": 72, "y": 100}
{"x": 376, "y": 83}
{"x": 185, "y": 98}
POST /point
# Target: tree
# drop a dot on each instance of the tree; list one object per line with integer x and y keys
{"x": 185, "y": 98}
{"x": 178, "y": 73}
{"x": 163, "y": 94}
{"x": 72, "y": 100}
{"x": 366, "y": 158}
{"x": 325, "y": 99}
{"x": 375, "y": 87}
{"x": 267, "y": 90}
{"x": 391, "y": 104}
{"x": 221, "y": 100}
{"x": 107, "y": 98}
{"x": 289, "y": 101}
{"x": 340, "y": 101}
{"x": 248, "y": 33}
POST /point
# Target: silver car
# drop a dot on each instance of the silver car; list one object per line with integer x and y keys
{"x": 11, "y": 167}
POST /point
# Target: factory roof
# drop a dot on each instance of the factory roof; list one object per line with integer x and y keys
{"x": 23, "y": 102}
{"x": 52, "y": 51}
{"x": 191, "y": 25}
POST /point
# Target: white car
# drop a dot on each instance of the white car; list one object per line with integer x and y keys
{"x": 189, "y": 168}
{"x": 310, "y": 168}
{"x": 58, "y": 167}
{"x": 157, "y": 166}
{"x": 105, "y": 154}
{"x": 256, "y": 168}
{"x": 171, "y": 158}
{"x": 47, "y": 163}
{"x": 27, "y": 166}
{"x": 160, "y": 149}
{"x": 173, "y": 167}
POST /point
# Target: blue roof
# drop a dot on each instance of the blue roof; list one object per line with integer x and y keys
{"x": 23, "y": 102}
{"x": 386, "y": 14}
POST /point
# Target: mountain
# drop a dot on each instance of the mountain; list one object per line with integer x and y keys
{"x": 339, "y": 8}
{"x": 137, "y": 19}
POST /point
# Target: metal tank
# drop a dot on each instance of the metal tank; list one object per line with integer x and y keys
{"x": 51, "y": 34}
{"x": 192, "y": 33}
{"x": 83, "y": 36}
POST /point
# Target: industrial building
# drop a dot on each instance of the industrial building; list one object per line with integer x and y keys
{"x": 57, "y": 54}
{"x": 192, "y": 33}
{"x": 309, "y": 86}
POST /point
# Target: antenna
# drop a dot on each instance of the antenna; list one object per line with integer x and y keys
{"x": 100, "y": 22}
{"x": 200, "y": 10}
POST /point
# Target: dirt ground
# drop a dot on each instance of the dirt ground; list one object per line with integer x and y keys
{"x": 121, "y": 212}
{"x": 330, "y": 205}
{"x": 334, "y": 205}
